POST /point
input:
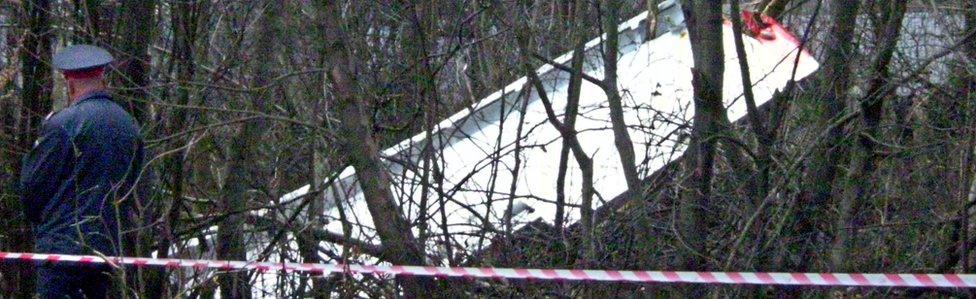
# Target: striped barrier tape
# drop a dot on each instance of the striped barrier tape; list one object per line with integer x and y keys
{"x": 735, "y": 278}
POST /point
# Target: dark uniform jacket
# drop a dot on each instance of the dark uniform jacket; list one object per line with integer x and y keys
{"x": 77, "y": 181}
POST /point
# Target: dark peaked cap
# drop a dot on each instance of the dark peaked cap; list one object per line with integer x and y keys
{"x": 81, "y": 57}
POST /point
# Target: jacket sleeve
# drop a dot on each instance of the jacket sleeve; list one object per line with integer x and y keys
{"x": 44, "y": 170}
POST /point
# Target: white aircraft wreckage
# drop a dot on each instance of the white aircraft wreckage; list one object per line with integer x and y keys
{"x": 501, "y": 155}
{"x": 477, "y": 150}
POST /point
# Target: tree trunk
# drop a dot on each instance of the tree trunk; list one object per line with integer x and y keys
{"x": 184, "y": 19}
{"x": 242, "y": 170}
{"x": 864, "y": 160}
{"x": 571, "y": 112}
{"x": 968, "y": 90}
{"x": 35, "y": 58}
{"x": 704, "y": 19}
{"x": 569, "y": 119}
{"x": 422, "y": 88}
{"x": 589, "y": 246}
{"x": 355, "y": 138}
{"x": 568, "y": 134}
{"x": 307, "y": 241}
{"x": 137, "y": 28}
{"x": 816, "y": 184}
{"x": 970, "y": 9}
{"x": 752, "y": 182}
{"x": 621, "y": 137}
{"x": 764, "y": 141}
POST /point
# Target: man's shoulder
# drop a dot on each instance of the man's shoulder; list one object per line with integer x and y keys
{"x": 101, "y": 103}
{"x": 96, "y": 112}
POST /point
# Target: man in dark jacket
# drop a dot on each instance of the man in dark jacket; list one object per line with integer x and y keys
{"x": 78, "y": 178}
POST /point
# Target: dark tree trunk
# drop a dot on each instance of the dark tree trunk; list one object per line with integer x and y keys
{"x": 571, "y": 111}
{"x": 419, "y": 44}
{"x": 355, "y": 138}
{"x": 864, "y": 160}
{"x": 242, "y": 172}
{"x": 568, "y": 134}
{"x": 760, "y": 182}
{"x": 817, "y": 183}
{"x": 318, "y": 169}
{"x": 569, "y": 119}
{"x": 36, "y": 71}
{"x": 35, "y": 57}
{"x": 967, "y": 192}
{"x": 137, "y": 28}
{"x": 970, "y": 9}
{"x": 621, "y": 136}
{"x": 754, "y": 182}
{"x": 704, "y": 19}
{"x": 184, "y": 19}
{"x": 307, "y": 240}
{"x": 589, "y": 247}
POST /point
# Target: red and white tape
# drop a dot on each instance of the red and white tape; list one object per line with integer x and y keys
{"x": 754, "y": 278}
